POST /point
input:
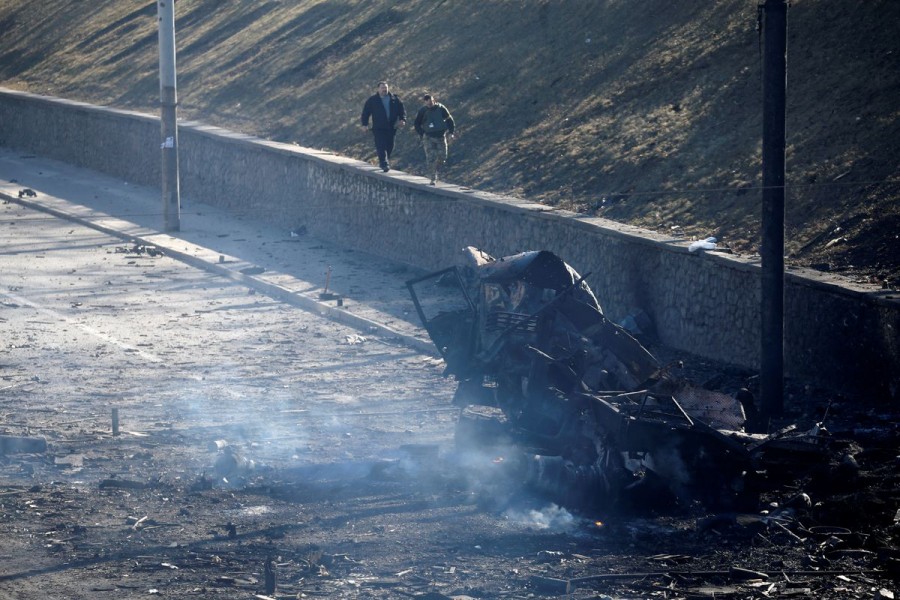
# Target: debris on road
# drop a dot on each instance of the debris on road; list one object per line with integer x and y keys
{"x": 231, "y": 465}
{"x": 122, "y": 484}
{"x": 140, "y": 249}
{"x": 216, "y": 445}
{"x": 12, "y": 444}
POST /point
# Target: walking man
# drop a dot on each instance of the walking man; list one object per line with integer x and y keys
{"x": 433, "y": 124}
{"x": 387, "y": 113}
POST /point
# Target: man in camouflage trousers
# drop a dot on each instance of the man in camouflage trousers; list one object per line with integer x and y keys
{"x": 433, "y": 124}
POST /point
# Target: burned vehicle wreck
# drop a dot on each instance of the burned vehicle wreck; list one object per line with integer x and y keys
{"x": 593, "y": 417}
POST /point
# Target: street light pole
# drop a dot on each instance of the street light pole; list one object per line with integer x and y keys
{"x": 169, "y": 127}
{"x": 771, "y": 372}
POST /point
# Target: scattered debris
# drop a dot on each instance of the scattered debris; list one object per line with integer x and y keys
{"x": 11, "y": 444}
{"x": 27, "y": 193}
{"x": 231, "y": 465}
{"x": 122, "y": 484}
{"x": 706, "y": 244}
{"x": 270, "y": 577}
{"x": 217, "y": 445}
{"x": 325, "y": 294}
{"x": 140, "y": 249}
{"x": 551, "y": 585}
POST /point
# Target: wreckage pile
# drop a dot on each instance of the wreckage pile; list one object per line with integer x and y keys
{"x": 574, "y": 407}
{"x": 585, "y": 412}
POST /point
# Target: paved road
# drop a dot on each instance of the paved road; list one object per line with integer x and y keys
{"x": 187, "y": 351}
{"x": 87, "y": 323}
{"x": 293, "y": 269}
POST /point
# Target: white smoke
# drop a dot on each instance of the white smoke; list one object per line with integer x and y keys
{"x": 550, "y": 518}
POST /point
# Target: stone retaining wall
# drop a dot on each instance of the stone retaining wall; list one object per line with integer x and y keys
{"x": 838, "y": 335}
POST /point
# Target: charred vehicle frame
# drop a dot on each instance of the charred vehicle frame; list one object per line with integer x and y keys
{"x": 593, "y": 417}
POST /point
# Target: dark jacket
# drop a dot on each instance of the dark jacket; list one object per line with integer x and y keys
{"x": 423, "y": 118}
{"x": 375, "y": 108}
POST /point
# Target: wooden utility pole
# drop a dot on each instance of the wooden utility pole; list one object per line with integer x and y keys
{"x": 771, "y": 375}
{"x": 169, "y": 127}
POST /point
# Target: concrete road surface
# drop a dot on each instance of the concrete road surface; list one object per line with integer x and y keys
{"x": 93, "y": 316}
{"x": 276, "y": 261}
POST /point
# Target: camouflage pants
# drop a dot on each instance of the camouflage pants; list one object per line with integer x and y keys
{"x": 435, "y": 153}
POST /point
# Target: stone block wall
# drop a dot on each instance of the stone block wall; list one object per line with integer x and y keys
{"x": 836, "y": 334}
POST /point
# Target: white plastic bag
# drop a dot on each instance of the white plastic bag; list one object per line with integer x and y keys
{"x": 707, "y": 244}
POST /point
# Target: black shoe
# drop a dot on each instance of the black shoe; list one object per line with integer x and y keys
{"x": 385, "y": 168}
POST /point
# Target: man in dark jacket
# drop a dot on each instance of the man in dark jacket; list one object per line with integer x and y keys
{"x": 433, "y": 124}
{"x": 387, "y": 114}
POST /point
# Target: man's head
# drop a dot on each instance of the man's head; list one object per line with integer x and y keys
{"x": 383, "y": 88}
{"x": 429, "y": 100}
